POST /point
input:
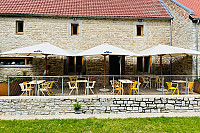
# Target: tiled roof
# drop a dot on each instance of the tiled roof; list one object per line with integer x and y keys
{"x": 193, "y": 5}
{"x": 111, "y": 8}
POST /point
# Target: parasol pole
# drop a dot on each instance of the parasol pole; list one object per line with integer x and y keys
{"x": 161, "y": 67}
{"x": 104, "y": 71}
{"x": 46, "y": 65}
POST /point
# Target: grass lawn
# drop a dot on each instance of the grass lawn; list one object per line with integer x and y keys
{"x": 162, "y": 124}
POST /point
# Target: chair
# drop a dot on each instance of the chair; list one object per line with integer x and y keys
{"x": 170, "y": 87}
{"x": 24, "y": 90}
{"x": 44, "y": 89}
{"x": 28, "y": 86}
{"x": 92, "y": 78}
{"x": 72, "y": 86}
{"x": 90, "y": 86}
{"x": 134, "y": 86}
{"x": 190, "y": 87}
{"x": 72, "y": 78}
{"x": 146, "y": 82}
{"x": 50, "y": 87}
{"x": 118, "y": 88}
{"x": 158, "y": 82}
{"x": 111, "y": 82}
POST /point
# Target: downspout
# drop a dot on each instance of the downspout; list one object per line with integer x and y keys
{"x": 197, "y": 48}
{"x": 171, "y": 28}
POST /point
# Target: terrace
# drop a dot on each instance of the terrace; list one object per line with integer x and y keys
{"x": 75, "y": 85}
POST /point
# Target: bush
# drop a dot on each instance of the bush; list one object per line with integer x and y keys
{"x": 77, "y": 106}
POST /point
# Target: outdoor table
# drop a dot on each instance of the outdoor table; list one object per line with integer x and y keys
{"x": 82, "y": 81}
{"x": 38, "y": 83}
{"x": 125, "y": 81}
{"x": 179, "y": 82}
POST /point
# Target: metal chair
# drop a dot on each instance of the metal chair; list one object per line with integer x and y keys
{"x": 23, "y": 89}
{"x": 72, "y": 86}
{"x": 190, "y": 87}
{"x": 118, "y": 88}
{"x": 44, "y": 89}
{"x": 134, "y": 87}
{"x": 170, "y": 87}
{"x": 146, "y": 82}
{"x": 90, "y": 86}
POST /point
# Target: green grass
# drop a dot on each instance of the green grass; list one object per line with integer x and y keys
{"x": 148, "y": 125}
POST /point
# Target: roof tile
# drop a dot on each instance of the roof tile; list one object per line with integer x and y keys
{"x": 115, "y": 8}
{"x": 193, "y": 5}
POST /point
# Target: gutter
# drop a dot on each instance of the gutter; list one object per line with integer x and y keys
{"x": 76, "y": 16}
{"x": 197, "y": 49}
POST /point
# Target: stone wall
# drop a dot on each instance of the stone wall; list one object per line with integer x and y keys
{"x": 183, "y": 34}
{"x": 98, "y": 104}
{"x": 55, "y": 30}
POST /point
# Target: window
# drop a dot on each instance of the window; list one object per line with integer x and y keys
{"x": 19, "y": 26}
{"x": 74, "y": 29}
{"x": 139, "y": 30}
{"x": 73, "y": 64}
{"x": 143, "y": 66}
{"x": 13, "y": 61}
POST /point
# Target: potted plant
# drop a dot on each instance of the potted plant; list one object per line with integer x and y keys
{"x": 4, "y": 88}
{"x": 197, "y": 85}
{"x": 77, "y": 108}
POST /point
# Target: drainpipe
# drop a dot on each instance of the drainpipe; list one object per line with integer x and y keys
{"x": 171, "y": 28}
{"x": 197, "y": 48}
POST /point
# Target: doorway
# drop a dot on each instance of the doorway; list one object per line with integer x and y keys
{"x": 114, "y": 64}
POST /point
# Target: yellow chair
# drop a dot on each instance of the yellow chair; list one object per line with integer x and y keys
{"x": 72, "y": 78}
{"x": 134, "y": 86}
{"x": 158, "y": 82}
{"x": 50, "y": 87}
{"x": 73, "y": 81}
{"x": 190, "y": 86}
{"x": 170, "y": 87}
{"x": 118, "y": 88}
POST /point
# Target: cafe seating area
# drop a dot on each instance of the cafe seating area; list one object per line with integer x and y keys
{"x": 118, "y": 85}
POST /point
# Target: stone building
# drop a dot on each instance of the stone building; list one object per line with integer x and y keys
{"x": 185, "y": 31}
{"x": 80, "y": 25}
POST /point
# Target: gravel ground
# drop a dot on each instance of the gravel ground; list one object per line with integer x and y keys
{"x": 100, "y": 116}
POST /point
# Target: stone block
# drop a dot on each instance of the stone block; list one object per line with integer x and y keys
{"x": 130, "y": 102}
{"x": 120, "y": 102}
{"x": 143, "y": 104}
{"x": 160, "y": 106}
{"x": 135, "y": 108}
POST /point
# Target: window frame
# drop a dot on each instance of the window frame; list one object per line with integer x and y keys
{"x": 17, "y": 26}
{"x": 72, "y": 29}
{"x": 79, "y": 23}
{"x": 17, "y": 58}
{"x": 141, "y": 30}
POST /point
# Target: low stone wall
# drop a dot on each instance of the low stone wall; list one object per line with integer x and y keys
{"x": 59, "y": 105}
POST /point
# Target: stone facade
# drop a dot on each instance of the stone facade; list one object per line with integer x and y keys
{"x": 98, "y": 105}
{"x": 55, "y": 30}
{"x": 37, "y": 68}
{"x": 183, "y": 35}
